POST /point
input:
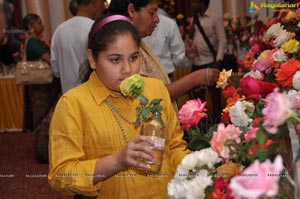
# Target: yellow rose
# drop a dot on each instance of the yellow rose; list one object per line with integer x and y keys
{"x": 228, "y": 170}
{"x": 132, "y": 86}
{"x": 263, "y": 54}
{"x": 290, "y": 16}
{"x": 234, "y": 21}
{"x": 291, "y": 46}
{"x": 223, "y": 78}
{"x": 180, "y": 16}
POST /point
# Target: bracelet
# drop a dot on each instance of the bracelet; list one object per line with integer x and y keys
{"x": 207, "y": 82}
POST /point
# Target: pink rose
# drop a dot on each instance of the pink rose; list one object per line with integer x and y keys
{"x": 220, "y": 137}
{"x": 191, "y": 113}
{"x": 251, "y": 134}
{"x": 255, "y": 48}
{"x": 297, "y": 14}
{"x": 259, "y": 180}
{"x": 269, "y": 61}
{"x": 253, "y": 40}
{"x": 294, "y": 98}
{"x": 259, "y": 65}
{"x": 276, "y": 111}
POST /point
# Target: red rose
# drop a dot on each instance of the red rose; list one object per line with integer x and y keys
{"x": 225, "y": 117}
{"x": 285, "y": 73}
{"x": 252, "y": 88}
{"x": 229, "y": 91}
{"x": 256, "y": 121}
{"x": 267, "y": 87}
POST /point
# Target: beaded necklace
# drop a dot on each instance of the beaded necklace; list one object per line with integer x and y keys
{"x": 116, "y": 114}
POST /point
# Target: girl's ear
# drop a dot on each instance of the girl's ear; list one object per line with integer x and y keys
{"x": 91, "y": 59}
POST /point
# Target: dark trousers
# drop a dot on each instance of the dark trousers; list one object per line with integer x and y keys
{"x": 215, "y": 96}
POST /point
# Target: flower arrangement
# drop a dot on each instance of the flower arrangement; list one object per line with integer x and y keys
{"x": 253, "y": 138}
{"x": 133, "y": 87}
{"x": 240, "y": 30}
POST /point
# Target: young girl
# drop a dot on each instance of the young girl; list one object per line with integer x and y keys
{"x": 94, "y": 146}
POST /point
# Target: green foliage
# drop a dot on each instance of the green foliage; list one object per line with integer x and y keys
{"x": 147, "y": 109}
{"x": 198, "y": 140}
{"x": 261, "y": 136}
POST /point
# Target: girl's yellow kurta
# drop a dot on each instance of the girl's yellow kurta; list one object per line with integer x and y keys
{"x": 83, "y": 129}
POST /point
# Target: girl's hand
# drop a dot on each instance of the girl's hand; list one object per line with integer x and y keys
{"x": 140, "y": 147}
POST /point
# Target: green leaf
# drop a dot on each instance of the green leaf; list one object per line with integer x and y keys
{"x": 273, "y": 148}
{"x": 143, "y": 100}
{"x": 261, "y": 136}
{"x": 138, "y": 110}
{"x": 196, "y": 143}
{"x": 146, "y": 113}
{"x": 155, "y": 101}
{"x": 260, "y": 154}
{"x": 137, "y": 121}
{"x": 194, "y": 131}
{"x": 157, "y": 108}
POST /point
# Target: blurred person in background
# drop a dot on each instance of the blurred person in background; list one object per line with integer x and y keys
{"x": 69, "y": 42}
{"x": 10, "y": 47}
{"x": 40, "y": 99}
{"x": 167, "y": 44}
{"x": 213, "y": 27}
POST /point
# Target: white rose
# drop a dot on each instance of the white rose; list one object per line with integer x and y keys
{"x": 203, "y": 177}
{"x": 296, "y": 80}
{"x": 282, "y": 37}
{"x": 208, "y": 157}
{"x": 273, "y": 29}
{"x": 181, "y": 173}
{"x": 255, "y": 74}
{"x": 195, "y": 189}
{"x": 176, "y": 189}
{"x": 249, "y": 107}
{"x": 190, "y": 161}
{"x": 238, "y": 116}
{"x": 279, "y": 56}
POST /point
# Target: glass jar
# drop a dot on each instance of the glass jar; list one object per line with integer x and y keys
{"x": 155, "y": 129}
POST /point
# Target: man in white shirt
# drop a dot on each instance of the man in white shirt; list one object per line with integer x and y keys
{"x": 167, "y": 44}
{"x": 69, "y": 43}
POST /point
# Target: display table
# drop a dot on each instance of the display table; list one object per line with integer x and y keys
{"x": 11, "y": 105}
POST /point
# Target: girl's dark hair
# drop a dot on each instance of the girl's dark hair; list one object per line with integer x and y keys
{"x": 73, "y": 7}
{"x": 29, "y": 19}
{"x": 99, "y": 41}
{"x": 206, "y": 2}
{"x": 121, "y": 6}
{"x": 83, "y": 2}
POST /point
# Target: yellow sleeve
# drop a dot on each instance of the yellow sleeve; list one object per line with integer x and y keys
{"x": 70, "y": 171}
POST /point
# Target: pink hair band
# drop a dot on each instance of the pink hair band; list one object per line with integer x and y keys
{"x": 107, "y": 20}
